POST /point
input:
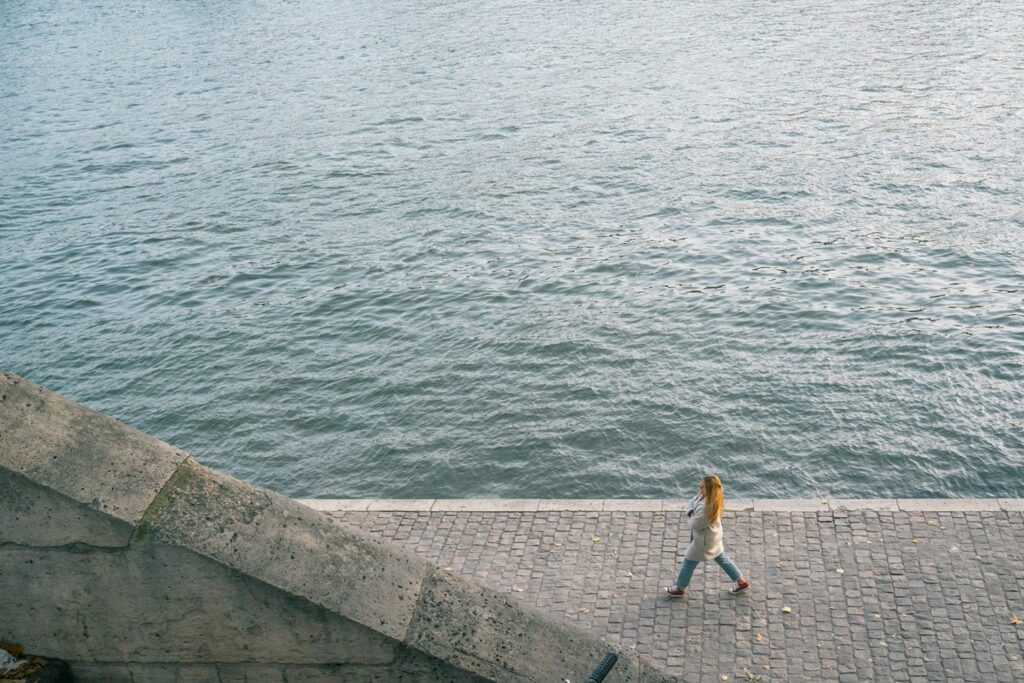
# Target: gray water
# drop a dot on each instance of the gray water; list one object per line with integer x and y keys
{"x": 529, "y": 249}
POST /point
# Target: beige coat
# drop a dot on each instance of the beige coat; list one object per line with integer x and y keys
{"x": 705, "y": 537}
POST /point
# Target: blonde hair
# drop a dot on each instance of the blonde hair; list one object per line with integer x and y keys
{"x": 714, "y": 500}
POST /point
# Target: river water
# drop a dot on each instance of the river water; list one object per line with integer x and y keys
{"x": 527, "y": 249}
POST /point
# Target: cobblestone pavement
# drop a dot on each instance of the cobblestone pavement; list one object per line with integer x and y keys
{"x": 874, "y": 595}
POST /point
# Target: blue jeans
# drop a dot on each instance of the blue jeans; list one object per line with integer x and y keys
{"x": 686, "y": 573}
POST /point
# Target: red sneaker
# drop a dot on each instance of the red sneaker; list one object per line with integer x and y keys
{"x": 740, "y": 588}
{"x": 675, "y": 591}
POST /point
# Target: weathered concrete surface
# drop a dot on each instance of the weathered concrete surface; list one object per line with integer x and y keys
{"x": 480, "y": 629}
{"x": 488, "y": 504}
{"x": 878, "y": 504}
{"x": 287, "y": 545}
{"x": 303, "y": 552}
{"x": 167, "y": 570}
{"x": 409, "y": 666}
{"x": 875, "y": 595}
{"x": 32, "y": 515}
{"x": 76, "y": 452}
{"x": 161, "y": 613}
{"x": 937, "y": 504}
{"x": 156, "y": 603}
{"x": 789, "y": 505}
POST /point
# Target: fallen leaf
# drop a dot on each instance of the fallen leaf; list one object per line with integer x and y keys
{"x": 913, "y": 540}
{"x": 558, "y": 545}
{"x": 1015, "y": 620}
{"x": 517, "y": 589}
{"x": 759, "y": 637}
{"x": 932, "y": 522}
{"x": 447, "y": 569}
{"x": 786, "y": 610}
{"x": 629, "y": 573}
{"x": 584, "y": 610}
{"x": 840, "y": 570}
{"x": 752, "y": 676}
{"x": 597, "y": 539}
{"x": 16, "y": 649}
{"x": 723, "y": 677}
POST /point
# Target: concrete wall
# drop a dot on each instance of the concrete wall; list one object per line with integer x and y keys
{"x": 126, "y": 557}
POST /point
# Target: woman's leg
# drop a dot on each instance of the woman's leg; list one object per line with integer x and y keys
{"x": 686, "y": 573}
{"x": 730, "y": 567}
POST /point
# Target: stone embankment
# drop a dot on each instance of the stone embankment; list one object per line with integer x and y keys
{"x": 124, "y": 556}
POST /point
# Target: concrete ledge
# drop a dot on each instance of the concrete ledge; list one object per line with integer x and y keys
{"x": 661, "y": 504}
{"x": 943, "y": 504}
{"x": 571, "y": 505}
{"x": 485, "y": 631}
{"x": 880, "y": 504}
{"x": 790, "y": 505}
{"x": 336, "y": 504}
{"x": 640, "y": 505}
{"x": 408, "y": 505}
{"x": 287, "y": 545}
{"x": 88, "y": 458}
{"x": 485, "y": 505}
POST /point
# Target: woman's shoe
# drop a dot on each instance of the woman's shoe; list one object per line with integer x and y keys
{"x": 743, "y": 585}
{"x": 675, "y": 591}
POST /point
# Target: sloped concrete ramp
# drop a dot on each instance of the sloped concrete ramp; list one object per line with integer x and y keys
{"x": 129, "y": 559}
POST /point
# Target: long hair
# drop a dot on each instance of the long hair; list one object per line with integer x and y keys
{"x": 714, "y": 501}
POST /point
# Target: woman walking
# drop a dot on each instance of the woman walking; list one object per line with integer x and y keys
{"x": 704, "y": 516}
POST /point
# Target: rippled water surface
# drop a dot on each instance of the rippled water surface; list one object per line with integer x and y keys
{"x": 538, "y": 249}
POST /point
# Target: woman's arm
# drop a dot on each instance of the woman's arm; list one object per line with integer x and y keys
{"x": 699, "y": 519}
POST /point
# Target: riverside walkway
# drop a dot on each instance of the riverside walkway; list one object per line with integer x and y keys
{"x": 867, "y": 590}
